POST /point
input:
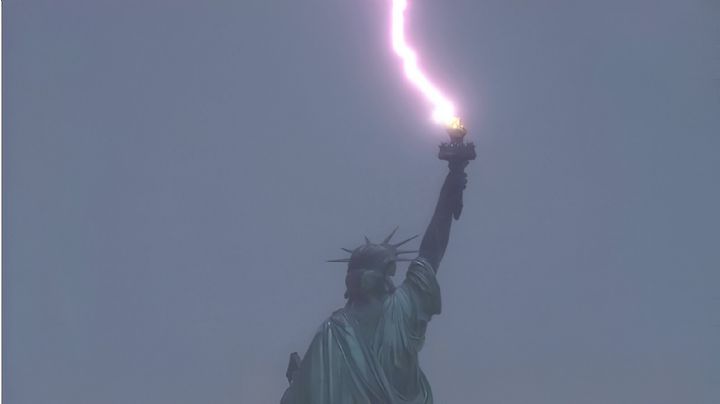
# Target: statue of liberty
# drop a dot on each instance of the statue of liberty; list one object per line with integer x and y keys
{"x": 367, "y": 351}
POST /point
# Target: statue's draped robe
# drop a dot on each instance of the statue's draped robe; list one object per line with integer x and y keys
{"x": 341, "y": 367}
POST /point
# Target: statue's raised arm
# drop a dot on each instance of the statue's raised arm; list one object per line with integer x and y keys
{"x": 450, "y": 203}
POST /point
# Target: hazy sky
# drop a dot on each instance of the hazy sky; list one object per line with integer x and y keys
{"x": 176, "y": 173}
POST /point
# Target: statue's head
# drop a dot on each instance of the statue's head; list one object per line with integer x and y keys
{"x": 371, "y": 268}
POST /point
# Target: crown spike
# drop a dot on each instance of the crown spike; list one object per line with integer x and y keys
{"x": 340, "y": 260}
{"x": 390, "y": 236}
{"x": 347, "y": 250}
{"x": 406, "y": 241}
{"x": 367, "y": 240}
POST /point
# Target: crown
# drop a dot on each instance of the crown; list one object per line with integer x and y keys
{"x": 371, "y": 254}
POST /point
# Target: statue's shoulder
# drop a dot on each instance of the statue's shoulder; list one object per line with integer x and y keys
{"x": 422, "y": 288}
{"x": 339, "y": 315}
{"x": 338, "y": 318}
{"x": 423, "y": 265}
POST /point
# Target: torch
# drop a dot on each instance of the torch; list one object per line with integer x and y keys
{"x": 457, "y": 153}
{"x": 457, "y": 150}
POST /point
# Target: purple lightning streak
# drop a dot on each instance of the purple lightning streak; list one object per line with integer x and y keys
{"x": 443, "y": 108}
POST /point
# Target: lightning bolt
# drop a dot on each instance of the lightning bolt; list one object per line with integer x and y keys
{"x": 443, "y": 108}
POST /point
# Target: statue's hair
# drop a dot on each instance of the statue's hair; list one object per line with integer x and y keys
{"x": 360, "y": 284}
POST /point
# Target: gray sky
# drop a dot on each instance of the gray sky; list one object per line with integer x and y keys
{"x": 176, "y": 173}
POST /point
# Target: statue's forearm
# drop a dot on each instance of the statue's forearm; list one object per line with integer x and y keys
{"x": 449, "y": 204}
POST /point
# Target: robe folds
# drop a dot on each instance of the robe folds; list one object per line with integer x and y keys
{"x": 341, "y": 367}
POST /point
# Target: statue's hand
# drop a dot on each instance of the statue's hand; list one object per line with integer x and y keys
{"x": 455, "y": 183}
{"x": 457, "y": 178}
{"x": 457, "y": 165}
